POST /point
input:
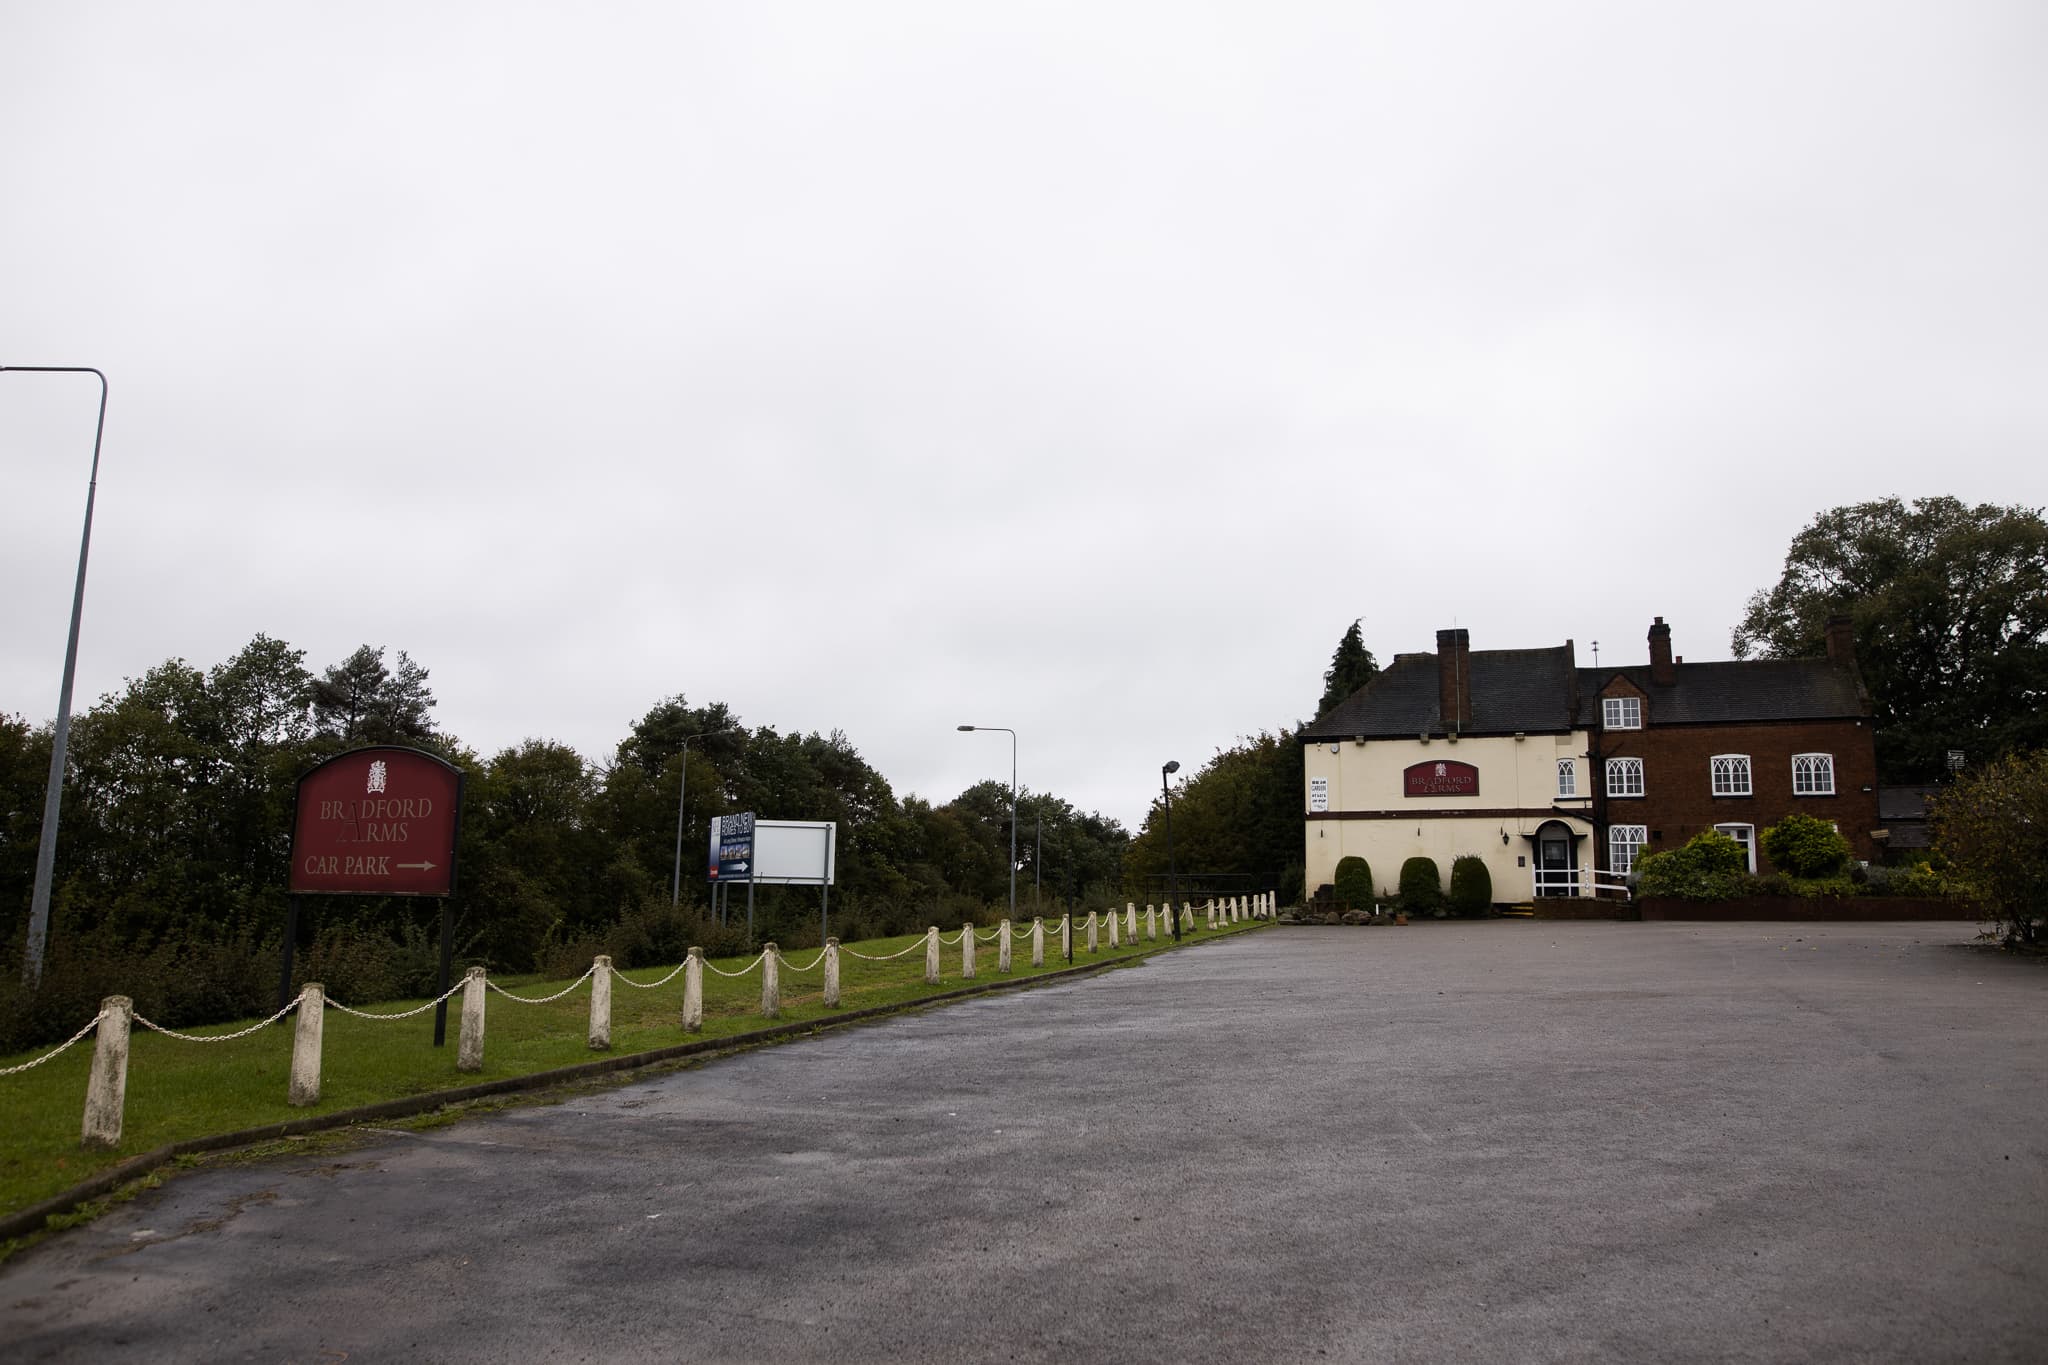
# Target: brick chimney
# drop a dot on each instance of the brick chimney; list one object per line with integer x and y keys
{"x": 1842, "y": 641}
{"x": 1663, "y": 672}
{"x": 1454, "y": 680}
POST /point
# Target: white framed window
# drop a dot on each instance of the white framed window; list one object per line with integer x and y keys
{"x": 1621, "y": 713}
{"x": 1624, "y": 777}
{"x": 1813, "y": 774}
{"x": 1622, "y": 843}
{"x": 1731, "y": 774}
{"x": 1567, "y": 777}
{"x": 1746, "y": 836}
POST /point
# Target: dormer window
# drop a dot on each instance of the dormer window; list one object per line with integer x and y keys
{"x": 1621, "y": 713}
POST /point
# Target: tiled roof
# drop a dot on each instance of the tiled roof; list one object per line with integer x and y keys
{"x": 1528, "y": 690}
{"x": 1733, "y": 692}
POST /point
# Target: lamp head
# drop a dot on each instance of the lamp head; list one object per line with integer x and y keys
{"x": 963, "y": 727}
{"x": 1173, "y": 766}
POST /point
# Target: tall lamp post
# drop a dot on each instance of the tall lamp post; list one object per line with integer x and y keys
{"x": 1172, "y": 881}
{"x": 675, "y": 893}
{"x": 53, "y": 792}
{"x": 1013, "y": 807}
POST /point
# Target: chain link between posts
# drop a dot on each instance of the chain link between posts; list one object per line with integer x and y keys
{"x": 885, "y": 957}
{"x": 623, "y": 979}
{"x": 741, "y": 972}
{"x": 403, "y": 1014}
{"x": 221, "y": 1037}
{"x": 815, "y": 963}
{"x": 60, "y": 1049}
{"x": 543, "y": 999}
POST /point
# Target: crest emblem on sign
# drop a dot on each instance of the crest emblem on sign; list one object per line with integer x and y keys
{"x": 1441, "y": 771}
{"x": 376, "y": 782}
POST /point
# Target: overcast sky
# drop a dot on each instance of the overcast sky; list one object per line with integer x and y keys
{"x": 1083, "y": 369}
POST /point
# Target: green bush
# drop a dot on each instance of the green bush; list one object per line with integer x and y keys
{"x": 1989, "y": 829}
{"x": 1471, "y": 885}
{"x": 1354, "y": 883}
{"x": 1801, "y": 846}
{"x": 1422, "y": 887}
{"x": 1710, "y": 867}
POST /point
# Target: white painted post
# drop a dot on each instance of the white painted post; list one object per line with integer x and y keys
{"x": 1110, "y": 915}
{"x": 1066, "y": 936}
{"x": 600, "y": 1004}
{"x": 771, "y": 982}
{"x": 1211, "y": 907}
{"x": 304, "y": 1087}
{"x": 107, "y": 1090}
{"x": 1091, "y": 931}
{"x": 967, "y": 951}
{"x": 1037, "y": 940}
{"x": 1187, "y": 916}
{"x": 831, "y": 972}
{"x": 1003, "y": 947}
{"x": 1151, "y": 924}
{"x": 469, "y": 1049}
{"x": 931, "y": 956}
{"x": 1130, "y": 922}
{"x": 693, "y": 991}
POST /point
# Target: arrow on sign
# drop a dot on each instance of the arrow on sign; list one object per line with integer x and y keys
{"x": 739, "y": 867}
{"x": 422, "y": 867}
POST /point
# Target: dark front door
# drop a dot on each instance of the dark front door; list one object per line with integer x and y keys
{"x": 1556, "y": 861}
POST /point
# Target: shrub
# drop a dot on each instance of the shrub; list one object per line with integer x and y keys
{"x": 1991, "y": 827}
{"x": 1354, "y": 883}
{"x": 1801, "y": 846}
{"x": 1422, "y": 886}
{"x": 1710, "y": 867}
{"x": 1471, "y": 885}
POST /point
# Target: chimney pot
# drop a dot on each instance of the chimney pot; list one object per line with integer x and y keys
{"x": 1454, "y": 679}
{"x": 1663, "y": 671}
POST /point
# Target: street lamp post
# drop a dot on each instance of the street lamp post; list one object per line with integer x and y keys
{"x": 53, "y": 792}
{"x": 1013, "y": 807}
{"x": 1172, "y": 881}
{"x": 675, "y": 894}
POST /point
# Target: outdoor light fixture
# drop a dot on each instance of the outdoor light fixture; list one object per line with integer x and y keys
{"x": 1171, "y": 767}
{"x": 965, "y": 729}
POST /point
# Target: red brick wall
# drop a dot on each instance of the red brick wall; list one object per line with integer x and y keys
{"x": 1679, "y": 801}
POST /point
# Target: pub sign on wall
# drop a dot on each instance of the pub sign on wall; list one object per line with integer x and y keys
{"x": 379, "y": 821}
{"x": 1440, "y": 777}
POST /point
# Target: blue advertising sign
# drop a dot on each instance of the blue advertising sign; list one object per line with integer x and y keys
{"x": 735, "y": 848}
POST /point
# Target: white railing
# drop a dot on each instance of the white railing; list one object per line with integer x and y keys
{"x": 1573, "y": 881}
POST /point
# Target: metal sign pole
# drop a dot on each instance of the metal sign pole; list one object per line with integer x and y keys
{"x": 291, "y": 941}
{"x": 447, "y": 966}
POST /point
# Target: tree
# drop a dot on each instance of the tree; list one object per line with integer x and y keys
{"x": 1949, "y": 605}
{"x": 1351, "y": 668}
{"x": 1803, "y": 846}
{"x": 1240, "y": 815}
{"x": 1992, "y": 827}
{"x": 360, "y": 701}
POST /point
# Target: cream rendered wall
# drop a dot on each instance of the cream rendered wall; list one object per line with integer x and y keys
{"x": 1513, "y": 774}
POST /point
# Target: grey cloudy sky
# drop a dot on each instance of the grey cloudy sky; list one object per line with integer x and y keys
{"x": 1078, "y": 368}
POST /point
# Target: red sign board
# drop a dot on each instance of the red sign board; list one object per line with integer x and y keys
{"x": 377, "y": 822}
{"x": 1444, "y": 777}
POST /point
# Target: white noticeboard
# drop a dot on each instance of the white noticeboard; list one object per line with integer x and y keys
{"x": 790, "y": 852}
{"x": 1318, "y": 793}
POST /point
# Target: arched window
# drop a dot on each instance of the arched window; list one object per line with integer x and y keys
{"x": 1813, "y": 774}
{"x": 1731, "y": 774}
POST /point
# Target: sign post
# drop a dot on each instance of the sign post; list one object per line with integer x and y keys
{"x": 380, "y": 821}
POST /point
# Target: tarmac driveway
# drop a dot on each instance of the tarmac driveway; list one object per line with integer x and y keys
{"x": 1491, "y": 1141}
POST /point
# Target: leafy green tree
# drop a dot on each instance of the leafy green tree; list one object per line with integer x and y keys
{"x": 1992, "y": 828}
{"x": 1950, "y": 610}
{"x": 1241, "y": 814}
{"x": 1351, "y": 668}
{"x": 1710, "y": 867}
{"x": 360, "y": 701}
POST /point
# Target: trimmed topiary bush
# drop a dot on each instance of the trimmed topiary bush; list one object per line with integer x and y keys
{"x": 1354, "y": 883}
{"x": 1801, "y": 846}
{"x": 1422, "y": 886}
{"x": 1471, "y": 885}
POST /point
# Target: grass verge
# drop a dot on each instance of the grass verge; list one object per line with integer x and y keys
{"x": 179, "y": 1092}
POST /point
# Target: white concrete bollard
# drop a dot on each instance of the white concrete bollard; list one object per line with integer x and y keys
{"x": 1211, "y": 907}
{"x": 693, "y": 991}
{"x": 831, "y": 972}
{"x": 967, "y": 951}
{"x": 1037, "y": 941}
{"x": 469, "y": 1048}
{"x": 1151, "y": 924}
{"x": 1066, "y": 936}
{"x": 1187, "y": 916}
{"x": 107, "y": 1091}
{"x": 1003, "y": 947}
{"x": 771, "y": 981}
{"x": 1110, "y": 915}
{"x": 931, "y": 956}
{"x": 304, "y": 1087}
{"x": 600, "y": 1004}
{"x": 1091, "y": 931}
{"x": 1130, "y": 922}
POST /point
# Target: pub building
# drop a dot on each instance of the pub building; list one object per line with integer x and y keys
{"x": 1550, "y": 772}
